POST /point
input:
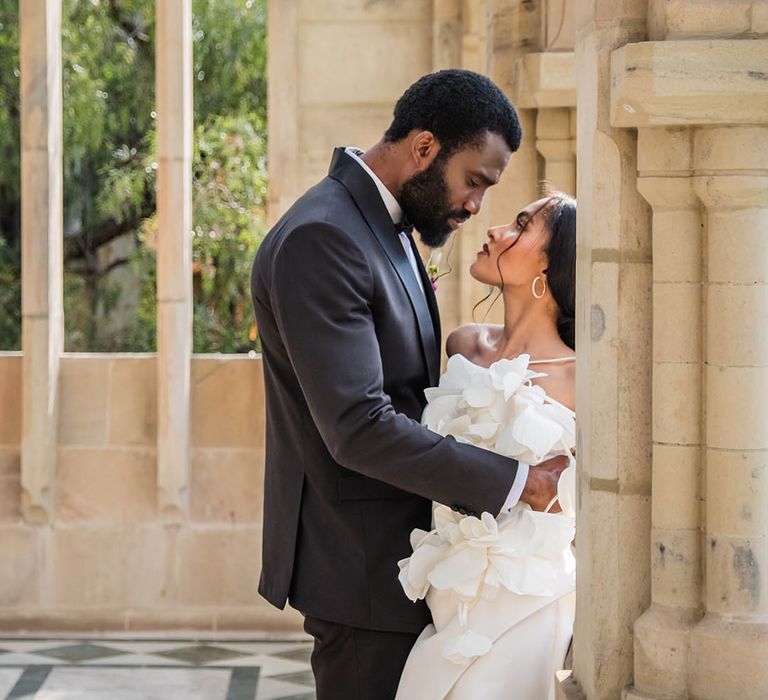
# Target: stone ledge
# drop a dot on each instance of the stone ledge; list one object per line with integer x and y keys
{"x": 546, "y": 80}
{"x": 632, "y": 694}
{"x": 261, "y": 619}
{"x": 672, "y": 83}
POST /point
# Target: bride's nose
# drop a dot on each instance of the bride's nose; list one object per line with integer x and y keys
{"x": 496, "y": 233}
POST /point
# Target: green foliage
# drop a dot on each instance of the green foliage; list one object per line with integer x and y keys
{"x": 10, "y": 297}
{"x": 10, "y": 254}
{"x": 108, "y": 85}
{"x": 229, "y": 191}
{"x": 230, "y": 58}
{"x": 110, "y": 168}
{"x": 9, "y": 103}
{"x": 230, "y": 188}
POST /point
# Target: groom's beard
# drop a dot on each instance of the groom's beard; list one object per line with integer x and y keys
{"x": 427, "y": 205}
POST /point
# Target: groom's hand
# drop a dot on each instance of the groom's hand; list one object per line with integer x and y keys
{"x": 541, "y": 486}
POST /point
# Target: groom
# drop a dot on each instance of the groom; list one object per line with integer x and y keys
{"x": 351, "y": 338}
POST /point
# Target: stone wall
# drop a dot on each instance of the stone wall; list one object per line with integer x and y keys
{"x": 108, "y": 560}
{"x": 336, "y": 69}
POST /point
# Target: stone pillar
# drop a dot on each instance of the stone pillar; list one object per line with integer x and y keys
{"x": 283, "y": 114}
{"x": 174, "y": 250}
{"x": 729, "y": 647}
{"x": 446, "y": 34}
{"x": 556, "y": 142}
{"x": 613, "y": 375}
{"x": 557, "y": 25}
{"x": 662, "y": 634}
{"x": 545, "y": 93}
{"x": 690, "y": 132}
{"x": 41, "y": 250}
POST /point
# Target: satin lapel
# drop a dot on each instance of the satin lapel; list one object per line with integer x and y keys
{"x": 429, "y": 293}
{"x": 363, "y": 190}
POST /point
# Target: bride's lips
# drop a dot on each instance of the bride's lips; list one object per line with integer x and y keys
{"x": 485, "y": 251}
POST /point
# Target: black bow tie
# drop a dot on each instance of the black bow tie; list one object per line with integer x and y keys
{"x": 405, "y": 227}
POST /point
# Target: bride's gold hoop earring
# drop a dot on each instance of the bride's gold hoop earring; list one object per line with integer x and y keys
{"x": 533, "y": 287}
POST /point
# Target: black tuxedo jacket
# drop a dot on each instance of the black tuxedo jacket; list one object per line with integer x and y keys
{"x": 349, "y": 344}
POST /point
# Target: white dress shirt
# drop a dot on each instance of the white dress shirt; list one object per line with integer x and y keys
{"x": 396, "y": 213}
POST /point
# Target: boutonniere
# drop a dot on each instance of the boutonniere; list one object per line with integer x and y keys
{"x": 433, "y": 268}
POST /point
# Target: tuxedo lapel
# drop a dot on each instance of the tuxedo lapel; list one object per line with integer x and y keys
{"x": 363, "y": 190}
{"x": 429, "y": 293}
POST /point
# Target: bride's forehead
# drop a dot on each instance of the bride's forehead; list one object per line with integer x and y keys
{"x": 534, "y": 207}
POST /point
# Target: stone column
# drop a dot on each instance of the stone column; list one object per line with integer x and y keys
{"x": 556, "y": 142}
{"x": 689, "y": 124}
{"x": 174, "y": 250}
{"x": 662, "y": 634}
{"x": 283, "y": 113}
{"x": 613, "y": 374}
{"x": 41, "y": 250}
{"x": 446, "y": 34}
{"x": 557, "y": 25}
{"x": 729, "y": 647}
{"x": 545, "y": 93}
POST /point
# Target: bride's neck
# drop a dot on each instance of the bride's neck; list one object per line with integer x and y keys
{"x": 530, "y": 326}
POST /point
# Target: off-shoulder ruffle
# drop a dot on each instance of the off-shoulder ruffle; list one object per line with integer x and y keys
{"x": 500, "y": 409}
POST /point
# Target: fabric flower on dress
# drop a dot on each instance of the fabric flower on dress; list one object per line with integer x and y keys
{"x": 521, "y": 551}
{"x": 466, "y": 646}
{"x": 428, "y": 548}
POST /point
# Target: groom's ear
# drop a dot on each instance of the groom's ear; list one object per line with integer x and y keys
{"x": 424, "y": 149}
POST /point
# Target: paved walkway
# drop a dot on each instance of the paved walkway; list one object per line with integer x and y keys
{"x": 163, "y": 669}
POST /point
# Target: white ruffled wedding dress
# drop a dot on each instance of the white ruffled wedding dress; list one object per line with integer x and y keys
{"x": 500, "y": 589}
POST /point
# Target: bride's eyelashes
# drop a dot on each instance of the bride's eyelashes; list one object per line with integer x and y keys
{"x": 522, "y": 221}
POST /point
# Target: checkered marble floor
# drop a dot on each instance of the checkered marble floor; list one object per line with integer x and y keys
{"x": 123, "y": 669}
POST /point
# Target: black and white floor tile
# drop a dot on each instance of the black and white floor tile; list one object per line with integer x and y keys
{"x": 118, "y": 669}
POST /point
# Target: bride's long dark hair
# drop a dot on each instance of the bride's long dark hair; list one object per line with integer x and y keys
{"x": 559, "y": 213}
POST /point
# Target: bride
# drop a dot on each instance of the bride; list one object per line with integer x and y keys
{"x": 501, "y": 589}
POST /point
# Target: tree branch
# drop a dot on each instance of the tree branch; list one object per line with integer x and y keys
{"x": 85, "y": 242}
{"x": 127, "y": 24}
{"x": 119, "y": 262}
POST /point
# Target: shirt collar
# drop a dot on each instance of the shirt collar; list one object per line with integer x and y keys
{"x": 392, "y": 205}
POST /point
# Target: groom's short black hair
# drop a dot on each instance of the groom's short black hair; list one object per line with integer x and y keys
{"x": 458, "y": 107}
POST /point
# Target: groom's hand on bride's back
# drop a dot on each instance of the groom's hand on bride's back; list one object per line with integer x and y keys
{"x": 541, "y": 486}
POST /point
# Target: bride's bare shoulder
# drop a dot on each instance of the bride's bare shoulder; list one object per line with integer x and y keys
{"x": 470, "y": 340}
